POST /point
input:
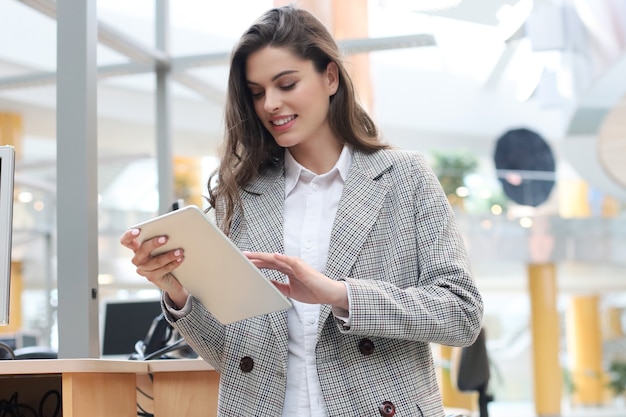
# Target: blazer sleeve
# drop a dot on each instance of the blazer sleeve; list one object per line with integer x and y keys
{"x": 431, "y": 295}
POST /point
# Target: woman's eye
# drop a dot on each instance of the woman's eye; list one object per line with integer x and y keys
{"x": 257, "y": 95}
{"x": 287, "y": 87}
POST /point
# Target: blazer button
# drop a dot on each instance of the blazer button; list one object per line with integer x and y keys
{"x": 366, "y": 346}
{"x": 387, "y": 409}
{"x": 246, "y": 364}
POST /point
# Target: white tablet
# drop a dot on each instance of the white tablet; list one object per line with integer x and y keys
{"x": 214, "y": 270}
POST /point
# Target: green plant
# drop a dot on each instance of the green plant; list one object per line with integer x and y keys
{"x": 452, "y": 167}
{"x": 568, "y": 381}
{"x": 617, "y": 373}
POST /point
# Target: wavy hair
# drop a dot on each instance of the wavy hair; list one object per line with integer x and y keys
{"x": 248, "y": 148}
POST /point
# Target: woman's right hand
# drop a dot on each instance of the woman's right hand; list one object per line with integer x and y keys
{"x": 157, "y": 269}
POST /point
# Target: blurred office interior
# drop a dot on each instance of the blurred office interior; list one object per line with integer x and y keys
{"x": 519, "y": 105}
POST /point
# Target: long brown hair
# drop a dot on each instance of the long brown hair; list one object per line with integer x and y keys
{"x": 248, "y": 148}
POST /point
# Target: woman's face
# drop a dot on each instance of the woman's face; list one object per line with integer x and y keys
{"x": 290, "y": 97}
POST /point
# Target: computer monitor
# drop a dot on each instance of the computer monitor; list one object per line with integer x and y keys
{"x": 125, "y": 323}
{"x": 7, "y": 172}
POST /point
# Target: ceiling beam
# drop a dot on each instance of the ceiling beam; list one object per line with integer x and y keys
{"x": 179, "y": 64}
{"x": 110, "y": 37}
{"x": 145, "y": 59}
{"x": 356, "y": 46}
{"x": 37, "y": 79}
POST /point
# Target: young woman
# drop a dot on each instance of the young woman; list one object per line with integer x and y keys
{"x": 358, "y": 235}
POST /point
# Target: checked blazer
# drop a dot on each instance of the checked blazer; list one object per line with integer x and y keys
{"x": 396, "y": 243}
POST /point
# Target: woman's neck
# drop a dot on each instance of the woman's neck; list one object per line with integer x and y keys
{"x": 319, "y": 157}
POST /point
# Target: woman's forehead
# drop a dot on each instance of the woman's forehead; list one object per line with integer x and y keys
{"x": 269, "y": 63}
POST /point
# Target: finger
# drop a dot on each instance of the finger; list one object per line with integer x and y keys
{"x": 291, "y": 262}
{"x": 263, "y": 256}
{"x": 128, "y": 239}
{"x": 151, "y": 245}
{"x": 158, "y": 262}
{"x": 266, "y": 263}
{"x": 282, "y": 287}
{"x": 159, "y": 267}
{"x": 273, "y": 264}
{"x": 146, "y": 251}
{"x": 162, "y": 277}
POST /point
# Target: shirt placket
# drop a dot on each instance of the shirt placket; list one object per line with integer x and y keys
{"x": 310, "y": 254}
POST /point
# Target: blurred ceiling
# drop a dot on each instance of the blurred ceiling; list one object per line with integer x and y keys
{"x": 441, "y": 77}
{"x": 476, "y": 57}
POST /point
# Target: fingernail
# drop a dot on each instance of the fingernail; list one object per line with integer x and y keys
{"x": 161, "y": 240}
{"x": 134, "y": 232}
{"x": 176, "y": 252}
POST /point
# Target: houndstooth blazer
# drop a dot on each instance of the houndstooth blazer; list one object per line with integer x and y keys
{"x": 395, "y": 241}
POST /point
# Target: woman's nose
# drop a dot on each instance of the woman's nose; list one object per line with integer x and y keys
{"x": 272, "y": 101}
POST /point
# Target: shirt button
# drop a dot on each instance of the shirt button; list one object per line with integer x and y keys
{"x": 312, "y": 320}
{"x": 315, "y": 187}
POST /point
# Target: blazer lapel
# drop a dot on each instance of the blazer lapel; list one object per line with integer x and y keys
{"x": 263, "y": 213}
{"x": 363, "y": 196}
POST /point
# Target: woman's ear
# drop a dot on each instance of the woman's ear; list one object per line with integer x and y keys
{"x": 332, "y": 75}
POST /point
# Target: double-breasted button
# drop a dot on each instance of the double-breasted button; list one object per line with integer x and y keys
{"x": 387, "y": 409}
{"x": 246, "y": 364}
{"x": 366, "y": 346}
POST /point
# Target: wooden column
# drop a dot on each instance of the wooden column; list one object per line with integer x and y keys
{"x": 15, "y": 300}
{"x": 12, "y": 133}
{"x": 613, "y": 323}
{"x": 446, "y": 376}
{"x": 545, "y": 339}
{"x": 346, "y": 20}
{"x": 584, "y": 345}
{"x": 188, "y": 184}
{"x": 350, "y": 21}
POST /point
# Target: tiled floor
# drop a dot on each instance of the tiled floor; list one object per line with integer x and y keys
{"x": 500, "y": 409}
{"x": 503, "y": 409}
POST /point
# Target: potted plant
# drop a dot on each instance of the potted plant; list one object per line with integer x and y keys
{"x": 451, "y": 169}
{"x": 617, "y": 383}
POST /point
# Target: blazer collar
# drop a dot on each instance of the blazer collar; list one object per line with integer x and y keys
{"x": 369, "y": 165}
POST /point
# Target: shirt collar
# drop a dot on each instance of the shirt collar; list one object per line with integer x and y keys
{"x": 293, "y": 169}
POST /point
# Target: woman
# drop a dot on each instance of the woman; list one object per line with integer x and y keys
{"x": 358, "y": 235}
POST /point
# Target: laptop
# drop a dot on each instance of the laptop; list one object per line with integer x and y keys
{"x": 215, "y": 271}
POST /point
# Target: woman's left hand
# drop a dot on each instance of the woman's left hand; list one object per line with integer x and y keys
{"x": 305, "y": 284}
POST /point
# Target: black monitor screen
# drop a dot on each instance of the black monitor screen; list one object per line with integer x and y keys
{"x": 126, "y": 322}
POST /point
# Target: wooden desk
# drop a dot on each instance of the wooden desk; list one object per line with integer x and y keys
{"x": 88, "y": 387}
{"x": 105, "y": 388}
{"x": 184, "y": 387}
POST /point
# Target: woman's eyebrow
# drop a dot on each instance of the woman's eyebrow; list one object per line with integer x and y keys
{"x": 275, "y": 77}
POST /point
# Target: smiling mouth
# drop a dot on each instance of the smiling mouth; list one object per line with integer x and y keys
{"x": 280, "y": 122}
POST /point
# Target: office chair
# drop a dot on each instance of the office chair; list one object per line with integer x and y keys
{"x": 30, "y": 352}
